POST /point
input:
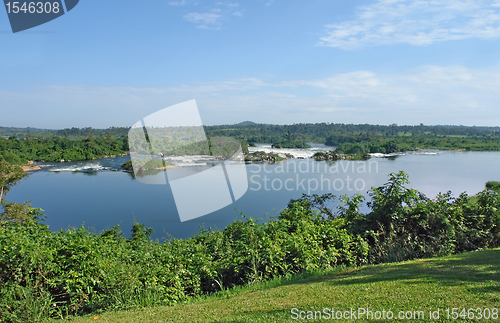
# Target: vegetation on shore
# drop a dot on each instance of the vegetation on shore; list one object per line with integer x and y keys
{"x": 334, "y": 155}
{"x": 349, "y": 139}
{"x": 320, "y": 132}
{"x": 55, "y": 149}
{"x": 493, "y": 185}
{"x": 146, "y": 164}
{"x": 263, "y": 156}
{"x": 389, "y": 145}
{"x": 74, "y": 271}
{"x": 146, "y": 167}
{"x": 255, "y": 132}
{"x": 127, "y": 166}
{"x": 10, "y": 175}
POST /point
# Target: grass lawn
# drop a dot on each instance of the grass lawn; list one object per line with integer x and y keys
{"x": 469, "y": 280}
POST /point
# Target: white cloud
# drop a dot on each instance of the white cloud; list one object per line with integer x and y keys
{"x": 213, "y": 18}
{"x": 268, "y": 3}
{"x": 208, "y": 20}
{"x": 358, "y": 80}
{"x": 228, "y": 4}
{"x": 234, "y": 85}
{"x": 415, "y": 22}
{"x": 429, "y": 94}
{"x": 180, "y": 3}
{"x": 456, "y": 77}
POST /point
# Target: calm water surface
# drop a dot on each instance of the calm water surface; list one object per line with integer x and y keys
{"x": 96, "y": 194}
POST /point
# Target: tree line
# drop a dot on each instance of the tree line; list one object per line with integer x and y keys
{"x": 268, "y": 133}
{"x": 320, "y": 132}
{"x": 89, "y": 143}
{"x": 52, "y": 149}
{"x": 381, "y": 144}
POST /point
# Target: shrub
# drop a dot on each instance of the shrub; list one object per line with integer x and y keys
{"x": 75, "y": 271}
{"x": 44, "y": 273}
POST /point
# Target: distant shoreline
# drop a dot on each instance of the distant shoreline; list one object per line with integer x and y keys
{"x": 32, "y": 168}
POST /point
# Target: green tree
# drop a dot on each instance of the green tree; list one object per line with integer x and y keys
{"x": 10, "y": 175}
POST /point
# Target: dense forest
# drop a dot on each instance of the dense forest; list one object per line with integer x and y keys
{"x": 181, "y": 141}
{"x": 18, "y": 145}
{"x": 291, "y": 140}
{"x": 53, "y": 149}
{"x": 71, "y": 272}
{"x": 267, "y": 133}
{"x": 380, "y": 144}
{"x": 68, "y": 132}
{"x": 320, "y": 132}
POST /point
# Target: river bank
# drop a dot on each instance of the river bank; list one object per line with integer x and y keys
{"x": 31, "y": 166}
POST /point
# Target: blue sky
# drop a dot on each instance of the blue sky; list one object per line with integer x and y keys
{"x": 111, "y": 63}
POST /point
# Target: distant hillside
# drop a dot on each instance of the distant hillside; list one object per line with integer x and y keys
{"x": 10, "y": 130}
{"x": 246, "y": 123}
{"x": 67, "y": 132}
{"x": 259, "y": 132}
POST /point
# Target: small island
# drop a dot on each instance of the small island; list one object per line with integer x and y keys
{"x": 335, "y": 155}
{"x": 147, "y": 165}
{"x": 269, "y": 157}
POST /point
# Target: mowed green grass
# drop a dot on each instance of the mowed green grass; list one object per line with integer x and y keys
{"x": 468, "y": 280}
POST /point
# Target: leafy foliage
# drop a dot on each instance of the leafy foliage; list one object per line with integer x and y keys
{"x": 405, "y": 224}
{"x": 77, "y": 271}
{"x": 337, "y": 133}
{"x": 52, "y": 149}
{"x": 10, "y": 175}
{"x": 291, "y": 140}
{"x": 493, "y": 185}
{"x": 395, "y": 143}
{"x": 88, "y": 143}
{"x": 55, "y": 274}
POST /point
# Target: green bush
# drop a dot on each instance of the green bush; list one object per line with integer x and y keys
{"x": 52, "y": 149}
{"x": 55, "y": 274}
{"x": 75, "y": 271}
{"x": 493, "y": 185}
{"x": 404, "y": 224}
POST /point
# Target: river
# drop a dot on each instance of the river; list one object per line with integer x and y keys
{"x": 98, "y": 195}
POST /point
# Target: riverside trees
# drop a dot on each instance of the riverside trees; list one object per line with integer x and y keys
{"x": 10, "y": 175}
{"x": 53, "y": 149}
